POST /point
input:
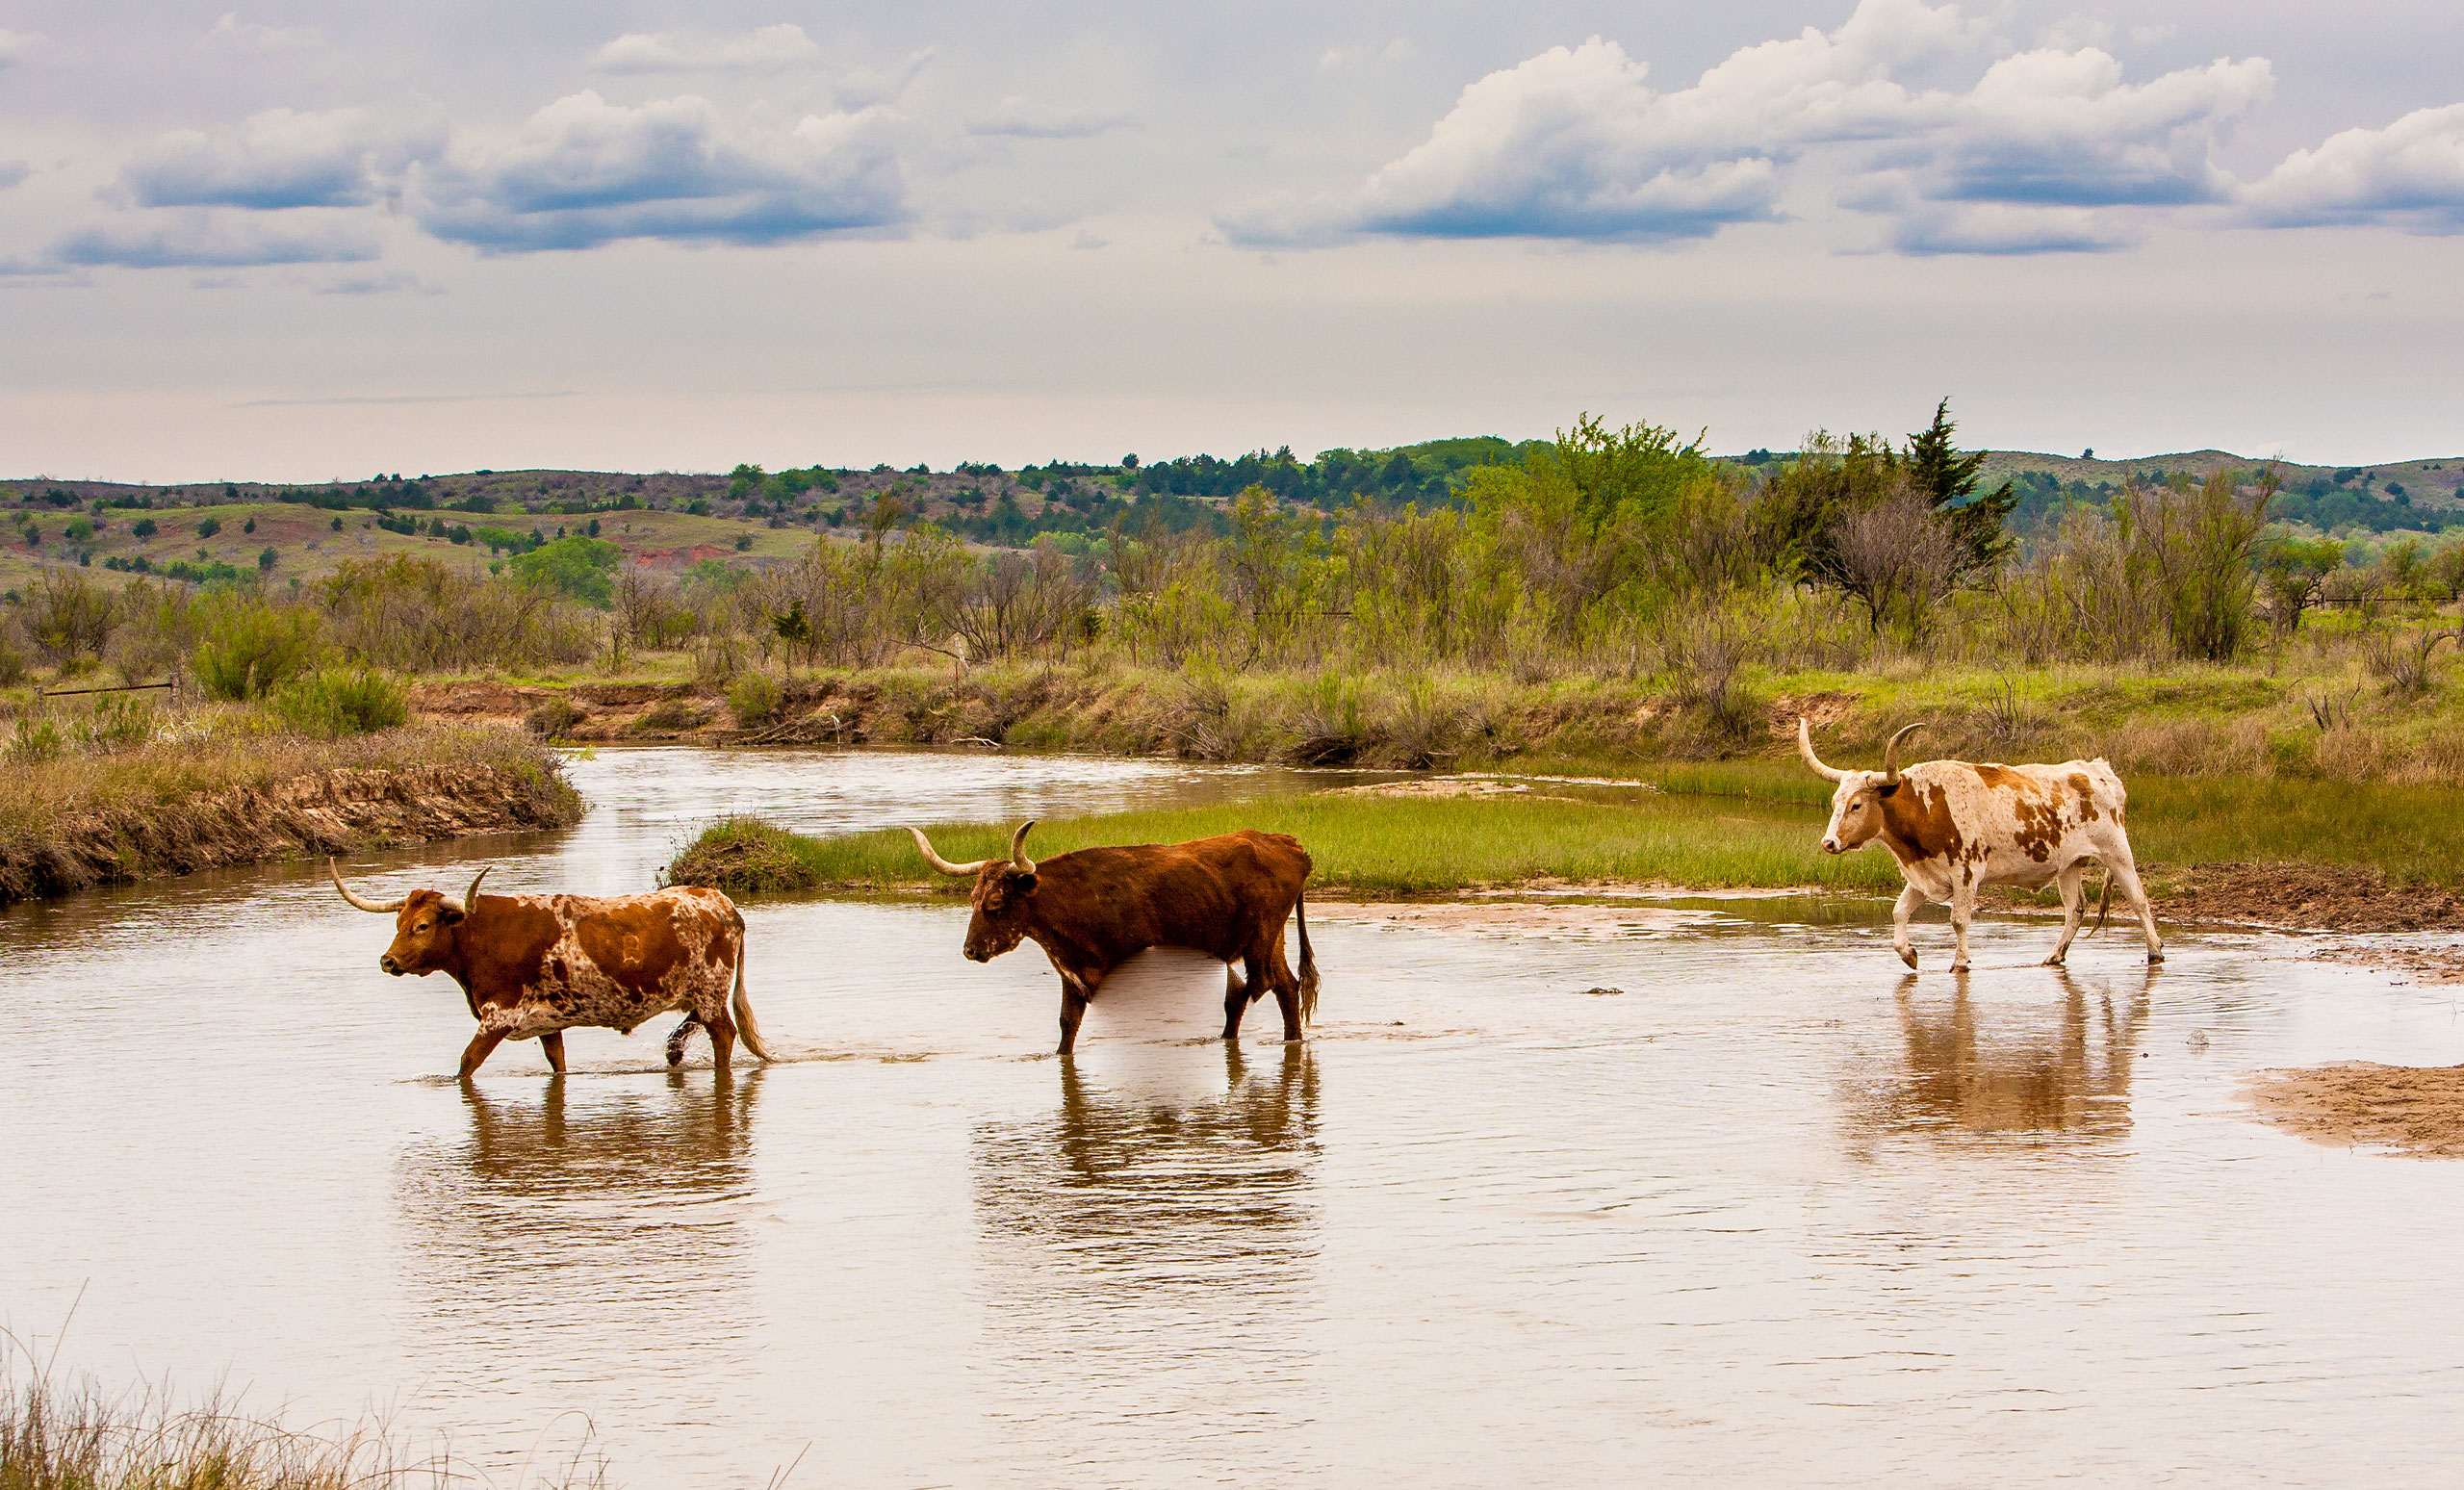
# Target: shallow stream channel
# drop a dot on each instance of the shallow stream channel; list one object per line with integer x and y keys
{"x": 1692, "y": 1192}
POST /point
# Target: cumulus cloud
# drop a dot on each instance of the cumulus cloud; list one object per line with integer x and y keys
{"x": 231, "y": 33}
{"x": 281, "y": 159}
{"x": 1574, "y": 142}
{"x": 196, "y": 239}
{"x": 15, "y": 45}
{"x": 768, "y": 49}
{"x": 2062, "y": 128}
{"x": 584, "y": 172}
{"x": 2409, "y": 175}
{"x": 1017, "y": 117}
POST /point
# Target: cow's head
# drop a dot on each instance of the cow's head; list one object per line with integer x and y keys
{"x": 427, "y": 927}
{"x": 1004, "y": 890}
{"x": 1856, "y": 805}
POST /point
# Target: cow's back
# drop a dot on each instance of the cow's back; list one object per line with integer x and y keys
{"x": 1206, "y": 893}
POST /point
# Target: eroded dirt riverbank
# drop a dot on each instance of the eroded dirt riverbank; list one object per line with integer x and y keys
{"x": 331, "y": 810}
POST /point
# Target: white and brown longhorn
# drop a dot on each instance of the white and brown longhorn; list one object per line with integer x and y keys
{"x": 1955, "y": 827}
{"x": 533, "y": 966}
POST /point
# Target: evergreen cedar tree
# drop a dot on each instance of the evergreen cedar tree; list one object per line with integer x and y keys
{"x": 1948, "y": 478}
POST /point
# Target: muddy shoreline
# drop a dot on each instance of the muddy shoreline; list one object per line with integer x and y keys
{"x": 332, "y": 811}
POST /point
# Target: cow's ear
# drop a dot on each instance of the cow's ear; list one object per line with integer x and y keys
{"x": 448, "y": 915}
{"x": 1023, "y": 884}
{"x": 1888, "y": 790}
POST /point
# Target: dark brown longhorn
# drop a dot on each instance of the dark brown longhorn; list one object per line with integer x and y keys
{"x": 1092, "y": 909}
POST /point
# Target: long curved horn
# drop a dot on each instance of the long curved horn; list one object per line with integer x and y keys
{"x": 470, "y": 898}
{"x": 387, "y": 909}
{"x": 1804, "y": 748}
{"x": 941, "y": 863}
{"x": 1017, "y": 847}
{"x": 1890, "y": 753}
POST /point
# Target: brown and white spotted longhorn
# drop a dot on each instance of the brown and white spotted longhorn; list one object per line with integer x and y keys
{"x": 1954, "y": 827}
{"x": 533, "y": 966}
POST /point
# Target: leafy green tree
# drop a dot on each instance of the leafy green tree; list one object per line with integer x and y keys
{"x": 207, "y": 528}
{"x": 576, "y": 567}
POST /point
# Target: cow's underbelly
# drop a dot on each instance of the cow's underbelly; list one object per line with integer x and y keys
{"x": 1932, "y": 877}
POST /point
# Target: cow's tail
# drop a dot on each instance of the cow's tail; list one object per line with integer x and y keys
{"x": 1308, "y": 963}
{"x": 2104, "y": 900}
{"x": 740, "y": 1008}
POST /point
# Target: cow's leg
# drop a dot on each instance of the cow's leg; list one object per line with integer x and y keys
{"x": 552, "y": 1046}
{"x": 677, "y": 1037}
{"x": 482, "y": 1045}
{"x": 1909, "y": 900}
{"x": 722, "y": 1036}
{"x": 2073, "y": 905}
{"x": 1287, "y": 990}
{"x": 1236, "y": 1001}
{"x": 1073, "y": 1007}
{"x": 2127, "y": 874}
{"x": 1963, "y": 906}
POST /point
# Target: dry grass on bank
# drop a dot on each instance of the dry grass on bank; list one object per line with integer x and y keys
{"x": 228, "y": 785}
{"x": 2323, "y": 717}
{"x": 83, "y": 1437}
{"x": 220, "y": 749}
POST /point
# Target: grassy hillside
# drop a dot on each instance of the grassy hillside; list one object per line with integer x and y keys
{"x": 675, "y": 518}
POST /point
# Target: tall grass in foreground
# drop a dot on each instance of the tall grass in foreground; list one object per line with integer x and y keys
{"x": 84, "y": 1438}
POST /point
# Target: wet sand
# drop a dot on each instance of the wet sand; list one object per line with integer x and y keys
{"x": 2410, "y": 1110}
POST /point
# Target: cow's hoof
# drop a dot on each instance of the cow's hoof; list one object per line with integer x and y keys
{"x": 2154, "y": 958}
{"x": 1909, "y": 958}
{"x": 2055, "y": 961}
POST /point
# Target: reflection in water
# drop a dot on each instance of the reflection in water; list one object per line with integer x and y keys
{"x": 1144, "y": 1257}
{"x": 2029, "y": 1069}
{"x": 587, "y": 1244}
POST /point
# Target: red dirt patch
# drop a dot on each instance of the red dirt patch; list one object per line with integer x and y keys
{"x": 2308, "y": 897}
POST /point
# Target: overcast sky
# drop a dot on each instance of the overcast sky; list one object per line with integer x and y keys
{"x": 305, "y": 240}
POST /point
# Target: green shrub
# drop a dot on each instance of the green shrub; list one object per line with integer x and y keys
{"x": 577, "y": 566}
{"x": 208, "y": 526}
{"x": 118, "y": 721}
{"x": 553, "y": 716}
{"x": 335, "y": 700}
{"x": 745, "y": 855}
{"x": 755, "y": 699}
{"x": 37, "y": 741}
{"x": 251, "y": 646}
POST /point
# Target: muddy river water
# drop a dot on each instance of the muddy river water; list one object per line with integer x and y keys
{"x": 1768, "y": 1213}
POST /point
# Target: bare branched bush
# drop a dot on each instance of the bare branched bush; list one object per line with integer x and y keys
{"x": 1702, "y": 653}
{"x": 1899, "y": 560}
{"x": 68, "y": 616}
{"x": 418, "y": 615}
{"x": 2403, "y": 663}
{"x": 2195, "y": 542}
